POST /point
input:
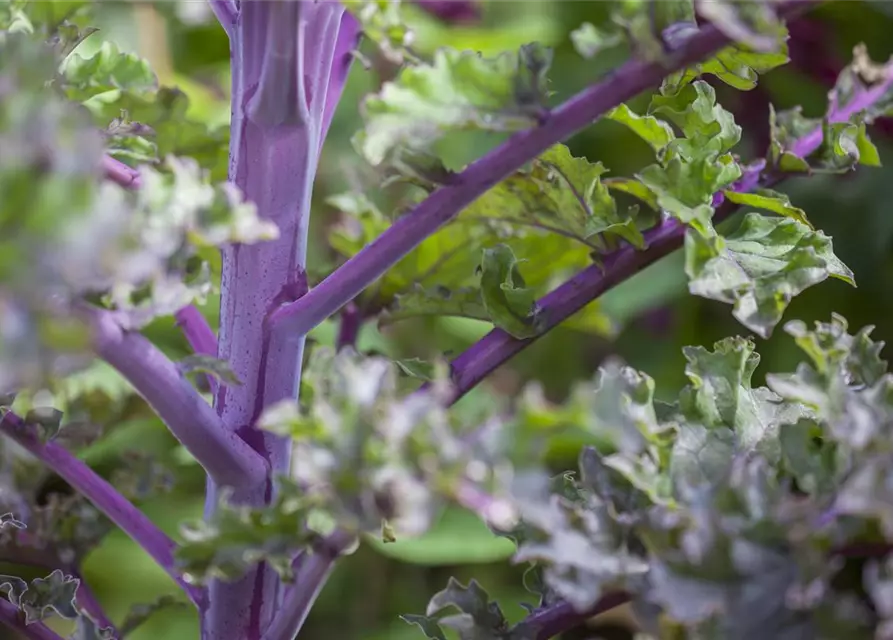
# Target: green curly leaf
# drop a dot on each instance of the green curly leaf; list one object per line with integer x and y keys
{"x": 760, "y": 267}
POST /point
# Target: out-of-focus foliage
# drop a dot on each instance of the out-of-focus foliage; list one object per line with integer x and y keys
{"x": 723, "y": 408}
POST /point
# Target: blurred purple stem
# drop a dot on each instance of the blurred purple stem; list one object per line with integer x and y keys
{"x": 455, "y": 11}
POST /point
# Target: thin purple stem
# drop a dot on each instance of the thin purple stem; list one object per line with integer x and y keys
{"x": 455, "y": 11}
{"x": 199, "y": 335}
{"x": 12, "y": 617}
{"x": 349, "y": 35}
{"x": 482, "y": 358}
{"x": 355, "y": 275}
{"x": 104, "y": 496}
{"x": 349, "y": 329}
{"x": 226, "y": 13}
{"x": 560, "y": 617}
{"x": 223, "y": 454}
{"x": 118, "y": 172}
{"x": 313, "y": 569}
{"x": 197, "y": 331}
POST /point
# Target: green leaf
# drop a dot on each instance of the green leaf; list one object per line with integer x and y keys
{"x": 8, "y": 520}
{"x": 553, "y": 214}
{"x": 560, "y": 194}
{"x": 355, "y": 489}
{"x": 737, "y": 65}
{"x": 510, "y": 304}
{"x": 14, "y": 587}
{"x": 108, "y": 69}
{"x": 88, "y": 629}
{"x": 831, "y": 347}
{"x": 785, "y": 128}
{"x": 437, "y": 301}
{"x": 478, "y": 617}
{"x": 382, "y": 22}
{"x": 710, "y": 131}
{"x": 760, "y": 267}
{"x": 844, "y": 144}
{"x": 417, "y": 368}
{"x": 238, "y": 538}
{"x": 589, "y": 40}
{"x": 456, "y": 92}
{"x": 808, "y": 458}
{"x": 428, "y": 626}
{"x": 657, "y": 133}
{"x": 724, "y": 415}
{"x": 577, "y": 541}
{"x": 198, "y": 364}
{"x": 685, "y": 189}
{"x": 143, "y": 122}
{"x": 693, "y": 168}
{"x": 768, "y": 200}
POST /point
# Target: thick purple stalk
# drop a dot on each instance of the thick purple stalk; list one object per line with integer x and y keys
{"x": 482, "y": 358}
{"x": 104, "y": 497}
{"x": 348, "y": 281}
{"x": 288, "y": 70}
{"x": 225, "y": 456}
{"x": 15, "y": 619}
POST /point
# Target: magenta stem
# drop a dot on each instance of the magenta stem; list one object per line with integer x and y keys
{"x": 482, "y": 358}
{"x": 103, "y": 496}
{"x": 199, "y": 335}
{"x": 12, "y": 617}
{"x": 355, "y": 275}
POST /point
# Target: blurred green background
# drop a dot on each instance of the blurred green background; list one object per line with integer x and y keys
{"x": 654, "y": 314}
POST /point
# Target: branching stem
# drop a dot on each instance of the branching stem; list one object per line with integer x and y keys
{"x": 494, "y": 349}
{"x": 222, "y": 453}
{"x": 104, "y": 497}
{"x": 355, "y": 275}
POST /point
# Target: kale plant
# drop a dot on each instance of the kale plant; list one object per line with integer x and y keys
{"x": 735, "y": 511}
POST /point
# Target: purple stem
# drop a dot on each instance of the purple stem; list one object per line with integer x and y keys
{"x": 199, "y": 335}
{"x": 349, "y": 35}
{"x": 560, "y": 617}
{"x": 275, "y": 167}
{"x": 103, "y": 496}
{"x": 456, "y": 11}
{"x": 117, "y": 171}
{"x": 313, "y": 569}
{"x": 349, "y": 329}
{"x": 482, "y": 358}
{"x": 226, "y": 457}
{"x": 12, "y": 617}
{"x": 348, "y": 281}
